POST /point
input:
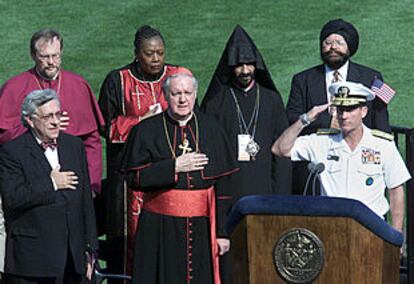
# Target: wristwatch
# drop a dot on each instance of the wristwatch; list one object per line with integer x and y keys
{"x": 304, "y": 119}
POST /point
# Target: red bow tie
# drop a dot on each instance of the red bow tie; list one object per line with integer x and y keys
{"x": 50, "y": 144}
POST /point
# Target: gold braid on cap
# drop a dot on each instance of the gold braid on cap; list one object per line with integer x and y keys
{"x": 343, "y": 98}
{"x": 348, "y": 101}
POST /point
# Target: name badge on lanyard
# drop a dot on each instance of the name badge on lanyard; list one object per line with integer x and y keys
{"x": 243, "y": 141}
{"x": 156, "y": 108}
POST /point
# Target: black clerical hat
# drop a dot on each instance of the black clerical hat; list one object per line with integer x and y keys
{"x": 240, "y": 49}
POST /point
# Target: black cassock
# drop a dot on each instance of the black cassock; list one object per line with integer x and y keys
{"x": 174, "y": 249}
{"x": 266, "y": 174}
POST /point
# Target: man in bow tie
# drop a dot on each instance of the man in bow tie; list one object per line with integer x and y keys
{"x": 47, "y": 200}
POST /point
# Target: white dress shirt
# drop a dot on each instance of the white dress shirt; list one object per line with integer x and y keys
{"x": 329, "y": 77}
{"x": 53, "y": 159}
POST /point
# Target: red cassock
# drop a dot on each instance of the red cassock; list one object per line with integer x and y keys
{"x": 138, "y": 97}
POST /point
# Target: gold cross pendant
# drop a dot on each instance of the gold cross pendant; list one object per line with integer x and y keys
{"x": 185, "y": 146}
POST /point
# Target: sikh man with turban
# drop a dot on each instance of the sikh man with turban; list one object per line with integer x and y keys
{"x": 339, "y": 41}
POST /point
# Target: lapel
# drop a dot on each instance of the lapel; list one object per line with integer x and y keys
{"x": 37, "y": 152}
{"x": 66, "y": 161}
{"x": 353, "y": 73}
{"x": 63, "y": 152}
{"x": 319, "y": 94}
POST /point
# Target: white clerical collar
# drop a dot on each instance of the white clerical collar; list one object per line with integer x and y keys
{"x": 47, "y": 79}
{"x": 250, "y": 86}
{"x": 181, "y": 122}
{"x": 245, "y": 89}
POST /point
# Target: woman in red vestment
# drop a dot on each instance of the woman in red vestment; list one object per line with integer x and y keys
{"x": 129, "y": 95}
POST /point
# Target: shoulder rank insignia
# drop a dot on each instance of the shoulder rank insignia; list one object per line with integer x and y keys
{"x": 327, "y": 131}
{"x": 382, "y": 134}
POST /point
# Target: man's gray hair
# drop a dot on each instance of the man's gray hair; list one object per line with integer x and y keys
{"x": 167, "y": 82}
{"x": 34, "y": 100}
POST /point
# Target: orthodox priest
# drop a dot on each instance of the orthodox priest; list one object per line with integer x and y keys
{"x": 128, "y": 96}
{"x": 245, "y": 101}
{"x": 81, "y": 116}
{"x": 179, "y": 158}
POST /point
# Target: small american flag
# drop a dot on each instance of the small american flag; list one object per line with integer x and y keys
{"x": 382, "y": 91}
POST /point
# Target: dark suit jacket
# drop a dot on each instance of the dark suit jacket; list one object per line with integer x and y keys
{"x": 309, "y": 89}
{"x": 43, "y": 224}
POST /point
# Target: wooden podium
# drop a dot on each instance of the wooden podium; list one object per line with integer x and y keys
{"x": 294, "y": 239}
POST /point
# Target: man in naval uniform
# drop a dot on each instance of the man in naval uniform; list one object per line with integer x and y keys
{"x": 360, "y": 163}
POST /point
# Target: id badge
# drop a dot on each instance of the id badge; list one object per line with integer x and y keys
{"x": 156, "y": 108}
{"x": 243, "y": 140}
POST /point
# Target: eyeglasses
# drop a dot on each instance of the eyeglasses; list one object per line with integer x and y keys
{"x": 331, "y": 42}
{"x": 46, "y": 57}
{"x": 50, "y": 116}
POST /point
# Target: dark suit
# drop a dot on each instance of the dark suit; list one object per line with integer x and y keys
{"x": 44, "y": 225}
{"x": 309, "y": 89}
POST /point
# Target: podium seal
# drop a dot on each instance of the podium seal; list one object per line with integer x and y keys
{"x": 298, "y": 256}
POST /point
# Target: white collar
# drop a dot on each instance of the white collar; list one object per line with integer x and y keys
{"x": 181, "y": 123}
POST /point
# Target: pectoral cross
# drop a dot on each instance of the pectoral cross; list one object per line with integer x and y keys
{"x": 185, "y": 146}
{"x": 137, "y": 93}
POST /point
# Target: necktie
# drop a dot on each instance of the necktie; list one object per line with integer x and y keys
{"x": 336, "y": 76}
{"x": 49, "y": 144}
{"x": 334, "y": 121}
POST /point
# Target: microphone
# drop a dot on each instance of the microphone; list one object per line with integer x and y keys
{"x": 316, "y": 167}
{"x": 314, "y": 170}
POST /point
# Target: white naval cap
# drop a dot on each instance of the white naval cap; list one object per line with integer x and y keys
{"x": 350, "y": 94}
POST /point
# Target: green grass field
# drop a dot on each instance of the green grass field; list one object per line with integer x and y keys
{"x": 99, "y": 35}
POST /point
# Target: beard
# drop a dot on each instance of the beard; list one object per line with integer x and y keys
{"x": 49, "y": 73}
{"x": 245, "y": 79}
{"x": 334, "y": 59}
